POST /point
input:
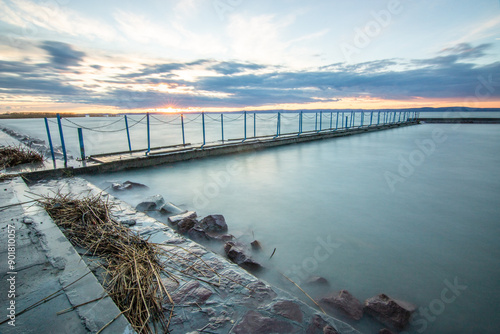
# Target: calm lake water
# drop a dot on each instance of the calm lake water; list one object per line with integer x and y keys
{"x": 412, "y": 212}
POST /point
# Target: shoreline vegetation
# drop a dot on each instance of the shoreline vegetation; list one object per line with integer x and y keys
{"x": 17, "y": 115}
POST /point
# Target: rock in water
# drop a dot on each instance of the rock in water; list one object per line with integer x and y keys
{"x": 151, "y": 203}
{"x": 256, "y": 245}
{"x": 171, "y": 209}
{"x": 316, "y": 280}
{"x": 186, "y": 224}
{"x": 197, "y": 234}
{"x": 176, "y": 219}
{"x": 238, "y": 256}
{"x": 389, "y": 311}
{"x": 346, "y": 302}
{"x": 127, "y": 185}
{"x": 385, "y": 331}
{"x": 213, "y": 223}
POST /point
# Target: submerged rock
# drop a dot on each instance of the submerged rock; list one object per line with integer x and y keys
{"x": 238, "y": 256}
{"x": 385, "y": 331}
{"x": 390, "y": 311}
{"x": 318, "y": 325}
{"x": 127, "y": 185}
{"x": 151, "y": 203}
{"x": 221, "y": 237}
{"x": 213, "y": 223}
{"x": 346, "y": 302}
{"x": 316, "y": 280}
{"x": 256, "y": 245}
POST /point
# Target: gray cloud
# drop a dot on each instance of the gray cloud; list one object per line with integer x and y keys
{"x": 451, "y": 74}
{"x": 62, "y": 55}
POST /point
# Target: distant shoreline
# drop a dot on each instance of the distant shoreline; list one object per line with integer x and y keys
{"x": 17, "y": 115}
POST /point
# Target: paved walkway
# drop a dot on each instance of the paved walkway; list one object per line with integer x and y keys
{"x": 44, "y": 267}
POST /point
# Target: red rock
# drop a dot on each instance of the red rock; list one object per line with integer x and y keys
{"x": 345, "y": 302}
{"x": 389, "y": 311}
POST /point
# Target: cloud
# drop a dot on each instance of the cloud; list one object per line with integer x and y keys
{"x": 62, "y": 55}
{"x": 52, "y": 16}
{"x": 211, "y": 83}
{"x": 230, "y": 67}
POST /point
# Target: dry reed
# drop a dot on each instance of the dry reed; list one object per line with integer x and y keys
{"x": 11, "y": 156}
{"x": 133, "y": 267}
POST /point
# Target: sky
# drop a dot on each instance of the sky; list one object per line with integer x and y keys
{"x": 224, "y": 55}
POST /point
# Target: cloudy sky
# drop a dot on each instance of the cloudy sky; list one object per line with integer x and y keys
{"x": 69, "y": 55}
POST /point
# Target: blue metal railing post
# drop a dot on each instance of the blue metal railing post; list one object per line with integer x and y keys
{"x": 331, "y": 120}
{"x": 316, "y": 123}
{"x": 320, "y": 120}
{"x": 128, "y": 134}
{"x": 378, "y": 117}
{"x": 337, "y": 121}
{"x": 245, "y": 126}
{"x": 62, "y": 140}
{"x": 346, "y": 120}
{"x": 182, "y": 126}
{"x": 362, "y": 118}
{"x": 50, "y": 142}
{"x": 203, "y": 124}
{"x": 279, "y": 123}
{"x": 222, "y": 125}
{"x": 371, "y": 118}
{"x": 399, "y": 117}
{"x": 149, "y": 134}
{"x": 300, "y": 122}
{"x": 82, "y": 146}
{"x": 254, "y": 126}
{"x": 353, "y": 119}
{"x": 278, "y": 126}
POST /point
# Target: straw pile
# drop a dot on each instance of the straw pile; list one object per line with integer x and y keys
{"x": 11, "y": 156}
{"x": 133, "y": 266}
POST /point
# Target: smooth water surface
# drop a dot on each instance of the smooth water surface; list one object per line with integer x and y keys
{"x": 412, "y": 212}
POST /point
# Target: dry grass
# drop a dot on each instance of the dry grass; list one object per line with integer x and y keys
{"x": 11, "y": 156}
{"x": 133, "y": 267}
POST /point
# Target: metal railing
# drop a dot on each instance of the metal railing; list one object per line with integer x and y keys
{"x": 186, "y": 125}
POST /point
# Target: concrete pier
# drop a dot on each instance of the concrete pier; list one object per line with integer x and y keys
{"x": 162, "y": 155}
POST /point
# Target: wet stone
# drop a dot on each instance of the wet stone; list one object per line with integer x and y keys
{"x": 288, "y": 309}
{"x": 213, "y": 223}
{"x": 389, "y": 311}
{"x": 186, "y": 224}
{"x": 256, "y": 245}
{"x": 197, "y": 234}
{"x": 191, "y": 293}
{"x": 254, "y": 322}
{"x": 177, "y": 218}
{"x": 345, "y": 302}
{"x": 316, "y": 280}
{"x": 318, "y": 325}
{"x": 170, "y": 284}
{"x": 151, "y": 203}
{"x": 260, "y": 293}
{"x": 385, "y": 331}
